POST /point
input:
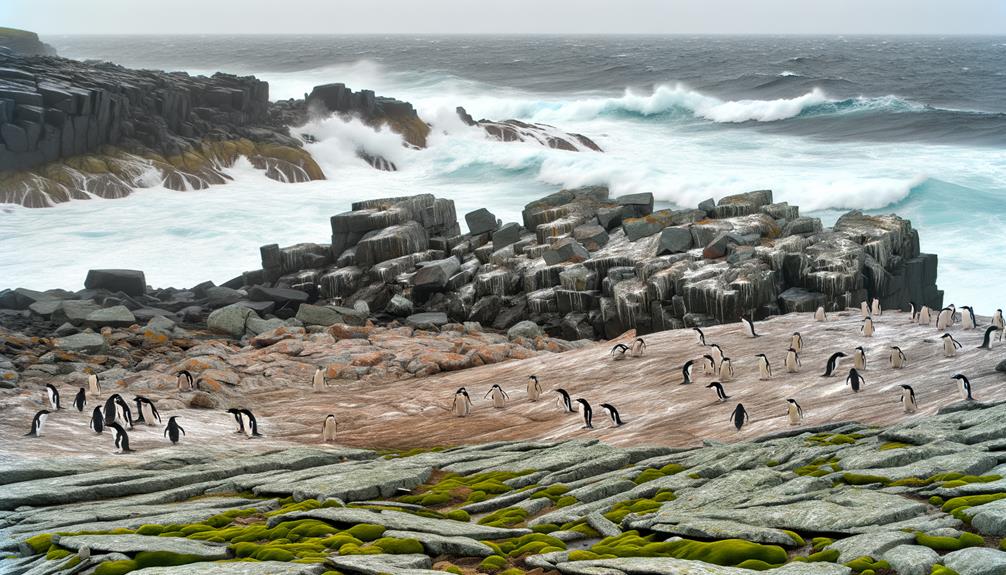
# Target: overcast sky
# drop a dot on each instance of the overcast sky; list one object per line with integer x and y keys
{"x": 507, "y": 16}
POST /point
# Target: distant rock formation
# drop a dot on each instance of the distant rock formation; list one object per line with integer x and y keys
{"x": 518, "y": 131}
{"x": 24, "y": 43}
{"x": 376, "y": 111}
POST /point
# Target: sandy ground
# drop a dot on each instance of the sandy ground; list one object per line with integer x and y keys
{"x": 657, "y": 410}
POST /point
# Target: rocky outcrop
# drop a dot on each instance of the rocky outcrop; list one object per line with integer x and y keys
{"x": 518, "y": 131}
{"x": 376, "y": 111}
{"x": 24, "y": 43}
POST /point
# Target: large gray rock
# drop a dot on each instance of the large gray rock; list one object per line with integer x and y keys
{"x": 480, "y": 221}
{"x": 115, "y": 316}
{"x": 318, "y": 315}
{"x": 382, "y": 564}
{"x": 75, "y": 311}
{"x": 279, "y": 296}
{"x": 391, "y": 242}
{"x": 433, "y": 276}
{"x": 507, "y": 234}
{"x": 797, "y": 299}
{"x": 870, "y": 544}
{"x": 219, "y": 296}
{"x": 230, "y": 320}
{"x": 911, "y": 559}
{"x": 976, "y": 561}
{"x": 129, "y": 282}
{"x": 87, "y": 343}
{"x": 719, "y": 529}
{"x": 236, "y": 568}
{"x": 635, "y": 205}
{"x": 609, "y": 218}
{"x": 592, "y": 236}
{"x": 801, "y": 226}
{"x": 671, "y": 566}
{"x": 46, "y": 308}
{"x": 399, "y": 306}
{"x": 565, "y": 250}
{"x": 674, "y": 240}
{"x": 526, "y": 329}
{"x": 136, "y": 543}
{"x": 989, "y": 519}
{"x": 427, "y": 320}
{"x": 441, "y": 545}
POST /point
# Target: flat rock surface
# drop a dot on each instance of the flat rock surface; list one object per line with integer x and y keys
{"x": 405, "y": 522}
{"x": 137, "y": 543}
{"x": 236, "y": 568}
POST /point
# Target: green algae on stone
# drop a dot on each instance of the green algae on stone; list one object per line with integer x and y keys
{"x": 727, "y": 552}
{"x": 40, "y": 543}
{"x": 894, "y": 445}
{"x": 366, "y": 531}
{"x": 865, "y": 564}
{"x": 942, "y": 570}
{"x": 506, "y": 517}
{"x": 120, "y": 567}
{"x": 941, "y": 543}
{"x": 55, "y": 553}
{"x": 652, "y": 473}
{"x": 493, "y": 564}
{"x": 971, "y": 501}
{"x": 640, "y": 506}
{"x": 553, "y": 493}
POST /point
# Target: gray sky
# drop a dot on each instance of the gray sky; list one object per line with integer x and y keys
{"x": 507, "y": 16}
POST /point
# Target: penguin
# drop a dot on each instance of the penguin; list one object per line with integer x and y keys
{"x": 147, "y": 410}
{"x": 997, "y": 320}
{"x": 726, "y": 369}
{"x": 638, "y": 347}
{"x": 968, "y": 318}
{"x": 686, "y": 372}
{"x": 875, "y": 308}
{"x": 946, "y": 317}
{"x": 794, "y": 411}
{"x": 925, "y": 316}
{"x": 588, "y": 413}
{"x": 749, "y": 327}
{"x": 52, "y": 396}
{"x": 832, "y": 365}
{"x": 116, "y": 409}
{"x": 720, "y": 394}
{"x": 121, "y": 438}
{"x": 80, "y": 400}
{"x": 855, "y": 380}
{"x": 237, "y": 419}
{"x": 618, "y": 352}
{"x": 898, "y": 358}
{"x": 864, "y": 309}
{"x": 792, "y": 361}
{"x": 533, "y": 388}
{"x": 184, "y": 381}
{"x": 616, "y": 419}
{"x": 700, "y": 337}
{"x": 563, "y": 400}
{"x": 908, "y": 399}
{"x": 500, "y": 397}
{"x": 318, "y": 382}
{"x": 913, "y": 311}
{"x": 867, "y": 328}
{"x": 819, "y": 315}
{"x": 716, "y": 352}
{"x": 94, "y": 384}
{"x": 739, "y": 416}
{"x": 764, "y": 367}
{"x": 950, "y": 345}
{"x": 171, "y": 431}
{"x": 708, "y": 364}
{"x": 859, "y": 358}
{"x": 964, "y": 385}
{"x": 37, "y": 423}
{"x": 97, "y": 423}
{"x": 328, "y": 429}
{"x": 987, "y": 341}
{"x": 796, "y": 342}
{"x": 462, "y": 404}
{"x": 250, "y": 423}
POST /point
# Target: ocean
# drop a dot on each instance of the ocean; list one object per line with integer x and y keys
{"x": 913, "y": 125}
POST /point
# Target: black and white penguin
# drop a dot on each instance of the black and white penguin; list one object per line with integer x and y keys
{"x": 867, "y": 328}
{"x": 898, "y": 358}
{"x": 121, "y": 438}
{"x": 93, "y": 384}
{"x": 908, "y": 399}
{"x": 792, "y": 361}
{"x": 726, "y": 371}
{"x": 864, "y": 309}
{"x": 720, "y": 394}
{"x": 616, "y": 419}
{"x": 764, "y": 367}
{"x": 318, "y": 381}
{"x": 820, "y": 315}
{"x": 749, "y": 327}
{"x": 80, "y": 400}
{"x": 52, "y": 397}
{"x": 832, "y": 365}
{"x": 618, "y": 352}
{"x": 588, "y": 413}
{"x": 184, "y": 381}
{"x": 794, "y": 412}
{"x": 987, "y": 341}
{"x": 499, "y": 396}
{"x": 708, "y": 364}
{"x": 997, "y": 320}
{"x": 462, "y": 404}
{"x": 147, "y": 410}
{"x": 110, "y": 409}
{"x": 968, "y": 320}
{"x": 686, "y": 372}
{"x": 859, "y": 358}
{"x": 638, "y": 347}
{"x": 913, "y": 311}
{"x": 875, "y": 308}
{"x": 699, "y": 336}
{"x": 97, "y": 423}
{"x": 238, "y": 421}
{"x": 796, "y": 342}
{"x": 249, "y": 423}
{"x": 172, "y": 430}
{"x": 329, "y": 428}
{"x": 964, "y": 385}
{"x": 740, "y": 416}
{"x": 950, "y": 345}
{"x": 925, "y": 316}
{"x": 855, "y": 380}
{"x": 716, "y": 352}
{"x": 946, "y": 317}
{"x": 533, "y": 388}
{"x": 564, "y": 400}
{"x": 116, "y": 409}
{"x": 37, "y": 423}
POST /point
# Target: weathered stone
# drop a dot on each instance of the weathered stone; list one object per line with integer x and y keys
{"x": 427, "y": 320}
{"x": 609, "y": 218}
{"x": 911, "y": 559}
{"x": 480, "y": 221}
{"x": 565, "y": 250}
{"x": 280, "y": 296}
{"x": 870, "y": 544}
{"x": 407, "y": 564}
{"x": 976, "y": 561}
{"x": 219, "y": 296}
{"x": 670, "y": 566}
{"x": 800, "y": 226}
{"x": 399, "y": 306}
{"x": 236, "y": 568}
{"x": 230, "y": 320}
{"x": 403, "y": 522}
{"x": 89, "y": 343}
{"x": 433, "y": 276}
{"x": 391, "y": 242}
{"x": 129, "y": 282}
{"x": 318, "y": 315}
{"x": 526, "y": 329}
{"x": 796, "y": 300}
{"x": 592, "y": 236}
{"x": 136, "y": 543}
{"x": 635, "y": 205}
{"x": 440, "y": 545}
{"x": 718, "y": 247}
{"x": 506, "y": 235}
{"x": 115, "y": 316}
{"x": 75, "y": 311}
{"x": 674, "y": 240}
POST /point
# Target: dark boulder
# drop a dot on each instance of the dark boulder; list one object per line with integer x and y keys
{"x": 129, "y": 282}
{"x": 674, "y": 240}
{"x": 480, "y": 221}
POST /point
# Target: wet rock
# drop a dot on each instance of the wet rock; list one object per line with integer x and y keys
{"x": 800, "y": 300}
{"x": 708, "y": 206}
{"x": 635, "y": 205}
{"x": 609, "y": 218}
{"x": 674, "y": 240}
{"x": 480, "y": 221}
{"x": 391, "y": 242}
{"x": 230, "y": 320}
{"x": 115, "y": 316}
{"x": 802, "y": 226}
{"x": 88, "y": 343}
{"x": 129, "y": 282}
{"x": 717, "y": 248}
{"x": 565, "y": 250}
{"x": 75, "y": 311}
{"x": 433, "y": 276}
{"x": 592, "y": 236}
{"x": 506, "y": 235}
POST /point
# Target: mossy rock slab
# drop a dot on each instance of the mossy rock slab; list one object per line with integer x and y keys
{"x": 911, "y": 559}
{"x": 137, "y": 543}
{"x": 236, "y": 568}
{"x": 989, "y": 519}
{"x": 968, "y": 462}
{"x": 703, "y": 528}
{"x": 442, "y": 545}
{"x": 669, "y": 566}
{"x": 402, "y": 522}
{"x": 870, "y": 544}
{"x": 378, "y": 564}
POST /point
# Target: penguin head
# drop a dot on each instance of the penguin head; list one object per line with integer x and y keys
{"x": 534, "y": 377}
{"x": 840, "y": 354}
{"x": 860, "y": 348}
{"x": 959, "y": 376}
{"x": 791, "y": 350}
{"x": 906, "y": 387}
{"x": 762, "y": 355}
{"x": 327, "y": 417}
{"x": 793, "y": 401}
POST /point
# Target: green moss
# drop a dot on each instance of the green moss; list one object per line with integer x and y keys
{"x": 73, "y": 562}
{"x": 57, "y": 553}
{"x": 306, "y": 505}
{"x": 505, "y": 517}
{"x": 729, "y": 552}
{"x": 393, "y": 454}
{"x": 150, "y": 529}
{"x": 351, "y": 549}
{"x": 893, "y": 445}
{"x": 755, "y": 565}
{"x": 512, "y": 571}
{"x": 566, "y": 501}
{"x": 271, "y": 553}
{"x": 865, "y": 565}
{"x": 366, "y": 531}
{"x": 493, "y": 564}
{"x": 553, "y": 493}
{"x": 795, "y": 537}
{"x": 863, "y": 479}
{"x": 970, "y": 501}
{"x": 40, "y": 543}
{"x": 647, "y": 475}
{"x": 545, "y": 528}
{"x": 116, "y": 567}
{"x": 398, "y": 546}
{"x": 454, "y": 489}
{"x": 818, "y": 467}
{"x": 533, "y": 543}
{"x": 311, "y": 528}
{"x": 450, "y": 569}
{"x": 936, "y": 501}
{"x": 819, "y": 543}
{"x": 942, "y": 570}
{"x": 228, "y": 517}
{"x": 459, "y": 515}
{"x": 938, "y": 543}
{"x": 833, "y": 438}
{"x": 638, "y": 506}
{"x": 826, "y": 556}
{"x": 164, "y": 559}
